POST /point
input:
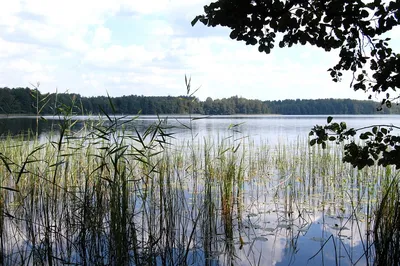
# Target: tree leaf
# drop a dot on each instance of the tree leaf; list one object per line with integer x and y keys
{"x": 194, "y": 21}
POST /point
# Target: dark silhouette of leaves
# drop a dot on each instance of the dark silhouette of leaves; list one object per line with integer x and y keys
{"x": 355, "y": 28}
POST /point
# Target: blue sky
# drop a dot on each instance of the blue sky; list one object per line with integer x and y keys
{"x": 126, "y": 47}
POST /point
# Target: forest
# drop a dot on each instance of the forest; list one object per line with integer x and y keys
{"x": 30, "y": 102}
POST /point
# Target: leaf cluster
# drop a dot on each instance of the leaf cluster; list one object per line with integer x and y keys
{"x": 378, "y": 144}
{"x": 353, "y": 26}
{"x": 356, "y": 28}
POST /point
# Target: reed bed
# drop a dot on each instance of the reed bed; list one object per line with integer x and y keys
{"x": 107, "y": 195}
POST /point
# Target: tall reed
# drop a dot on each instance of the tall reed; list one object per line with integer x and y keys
{"x": 387, "y": 224}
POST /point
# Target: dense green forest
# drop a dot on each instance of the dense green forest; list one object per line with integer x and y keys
{"x": 27, "y": 101}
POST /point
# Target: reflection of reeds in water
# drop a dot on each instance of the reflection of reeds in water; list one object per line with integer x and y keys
{"x": 112, "y": 197}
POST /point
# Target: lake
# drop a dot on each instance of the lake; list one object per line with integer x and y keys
{"x": 270, "y": 128}
{"x": 230, "y": 190}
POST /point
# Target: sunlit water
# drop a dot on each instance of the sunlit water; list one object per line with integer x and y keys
{"x": 270, "y": 128}
{"x": 280, "y": 217}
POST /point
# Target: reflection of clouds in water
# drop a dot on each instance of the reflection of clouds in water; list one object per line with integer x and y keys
{"x": 310, "y": 223}
{"x": 269, "y": 229}
{"x": 267, "y": 252}
{"x": 349, "y": 231}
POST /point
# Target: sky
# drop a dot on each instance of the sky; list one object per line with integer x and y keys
{"x": 132, "y": 47}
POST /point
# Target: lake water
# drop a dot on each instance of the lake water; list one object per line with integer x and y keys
{"x": 288, "y": 208}
{"x": 269, "y": 128}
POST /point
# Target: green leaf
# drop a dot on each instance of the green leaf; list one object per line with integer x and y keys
{"x": 363, "y": 136}
{"x": 324, "y": 145}
{"x": 234, "y": 34}
{"x": 364, "y": 13}
{"x": 194, "y": 21}
{"x": 335, "y": 126}
{"x": 329, "y": 119}
{"x": 313, "y": 141}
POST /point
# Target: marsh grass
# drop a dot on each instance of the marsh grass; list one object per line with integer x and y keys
{"x": 387, "y": 224}
{"x": 110, "y": 195}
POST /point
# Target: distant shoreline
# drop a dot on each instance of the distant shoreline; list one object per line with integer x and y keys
{"x": 20, "y": 103}
{"x": 180, "y": 116}
{"x": 16, "y": 115}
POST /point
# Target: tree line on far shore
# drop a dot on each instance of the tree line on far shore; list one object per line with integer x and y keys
{"x": 27, "y": 101}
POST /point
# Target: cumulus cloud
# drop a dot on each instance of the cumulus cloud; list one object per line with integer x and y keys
{"x": 119, "y": 57}
{"x": 25, "y": 66}
{"x": 102, "y": 35}
{"x": 86, "y": 46}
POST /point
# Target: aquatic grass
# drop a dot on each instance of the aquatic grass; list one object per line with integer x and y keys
{"x": 387, "y": 224}
{"x": 110, "y": 196}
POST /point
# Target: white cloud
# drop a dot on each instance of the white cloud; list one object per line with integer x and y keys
{"x": 65, "y": 24}
{"x": 76, "y": 43}
{"x": 7, "y": 14}
{"x": 10, "y": 49}
{"x": 102, "y": 35}
{"x": 39, "y": 31}
{"x": 73, "y": 14}
{"x": 87, "y": 51}
{"x": 144, "y": 7}
{"x": 157, "y": 6}
{"x": 120, "y": 57}
{"x": 25, "y": 66}
{"x": 160, "y": 28}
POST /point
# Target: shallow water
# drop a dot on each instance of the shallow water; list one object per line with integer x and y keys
{"x": 270, "y": 128}
{"x": 282, "y": 203}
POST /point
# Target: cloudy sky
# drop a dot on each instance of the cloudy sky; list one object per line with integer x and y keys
{"x": 126, "y": 47}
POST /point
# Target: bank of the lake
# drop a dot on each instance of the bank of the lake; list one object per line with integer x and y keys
{"x": 27, "y": 101}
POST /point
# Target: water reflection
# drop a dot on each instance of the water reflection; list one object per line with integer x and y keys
{"x": 271, "y": 128}
{"x": 16, "y": 126}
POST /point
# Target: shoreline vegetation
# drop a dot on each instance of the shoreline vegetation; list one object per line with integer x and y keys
{"x": 25, "y": 101}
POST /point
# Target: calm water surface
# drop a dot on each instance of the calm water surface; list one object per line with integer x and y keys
{"x": 270, "y": 128}
{"x": 302, "y": 225}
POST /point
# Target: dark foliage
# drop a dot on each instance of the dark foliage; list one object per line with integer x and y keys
{"x": 26, "y": 101}
{"x": 355, "y": 27}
